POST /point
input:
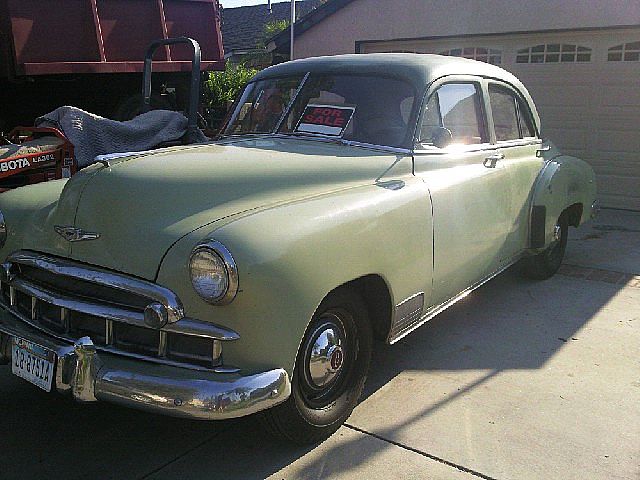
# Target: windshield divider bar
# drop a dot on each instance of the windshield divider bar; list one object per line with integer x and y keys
{"x": 286, "y": 111}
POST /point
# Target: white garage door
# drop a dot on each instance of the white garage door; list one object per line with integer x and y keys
{"x": 586, "y": 85}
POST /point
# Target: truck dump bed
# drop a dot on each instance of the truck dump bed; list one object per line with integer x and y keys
{"x": 45, "y": 37}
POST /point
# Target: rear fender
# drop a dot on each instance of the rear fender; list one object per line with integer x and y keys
{"x": 565, "y": 182}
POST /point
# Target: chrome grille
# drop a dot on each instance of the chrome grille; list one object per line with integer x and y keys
{"x": 70, "y": 300}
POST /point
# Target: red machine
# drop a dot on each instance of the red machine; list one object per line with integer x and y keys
{"x": 32, "y": 155}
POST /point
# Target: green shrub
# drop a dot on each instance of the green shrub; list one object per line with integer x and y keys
{"x": 223, "y": 87}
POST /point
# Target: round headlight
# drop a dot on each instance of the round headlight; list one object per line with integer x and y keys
{"x": 214, "y": 275}
{"x": 3, "y": 231}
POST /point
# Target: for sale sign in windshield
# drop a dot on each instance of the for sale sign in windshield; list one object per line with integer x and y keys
{"x": 325, "y": 119}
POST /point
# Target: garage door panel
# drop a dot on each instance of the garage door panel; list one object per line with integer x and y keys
{"x": 574, "y": 139}
{"x": 564, "y": 118}
{"x": 617, "y": 141}
{"x": 612, "y": 162}
{"x": 559, "y": 115}
{"x": 613, "y": 188}
{"x": 567, "y": 96}
{"x": 621, "y": 96}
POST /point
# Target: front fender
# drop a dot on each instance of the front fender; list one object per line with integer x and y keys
{"x": 564, "y": 181}
{"x": 289, "y": 257}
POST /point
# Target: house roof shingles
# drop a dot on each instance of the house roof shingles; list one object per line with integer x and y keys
{"x": 243, "y": 27}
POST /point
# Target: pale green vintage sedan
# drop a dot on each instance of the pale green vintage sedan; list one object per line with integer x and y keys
{"x": 348, "y": 199}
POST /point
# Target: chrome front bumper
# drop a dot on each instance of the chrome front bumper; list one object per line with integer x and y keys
{"x": 89, "y": 375}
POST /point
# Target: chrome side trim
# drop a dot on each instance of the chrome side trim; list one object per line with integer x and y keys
{"x": 340, "y": 141}
{"x": 436, "y": 309}
{"x": 102, "y": 277}
{"x": 407, "y": 313}
{"x": 382, "y": 148}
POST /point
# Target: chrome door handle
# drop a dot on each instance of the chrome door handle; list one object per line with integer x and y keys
{"x": 490, "y": 162}
{"x": 542, "y": 150}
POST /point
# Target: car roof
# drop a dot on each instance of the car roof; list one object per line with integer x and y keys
{"x": 415, "y": 68}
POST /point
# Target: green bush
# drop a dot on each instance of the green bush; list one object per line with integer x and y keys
{"x": 223, "y": 87}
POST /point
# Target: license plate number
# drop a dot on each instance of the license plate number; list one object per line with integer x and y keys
{"x": 32, "y": 362}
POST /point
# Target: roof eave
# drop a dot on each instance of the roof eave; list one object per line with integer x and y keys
{"x": 280, "y": 42}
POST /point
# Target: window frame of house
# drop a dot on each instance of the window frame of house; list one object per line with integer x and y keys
{"x": 554, "y": 53}
{"x": 476, "y": 52}
{"x": 623, "y": 51}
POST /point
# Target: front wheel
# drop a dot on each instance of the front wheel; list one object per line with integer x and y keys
{"x": 330, "y": 371}
{"x": 545, "y": 264}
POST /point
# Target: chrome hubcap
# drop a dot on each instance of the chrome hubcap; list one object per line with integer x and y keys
{"x": 325, "y": 357}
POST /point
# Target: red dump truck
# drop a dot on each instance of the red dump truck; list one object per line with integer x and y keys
{"x": 89, "y": 54}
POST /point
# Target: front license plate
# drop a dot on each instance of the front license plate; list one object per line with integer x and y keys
{"x": 32, "y": 362}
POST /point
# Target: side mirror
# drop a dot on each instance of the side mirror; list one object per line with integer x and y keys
{"x": 442, "y": 137}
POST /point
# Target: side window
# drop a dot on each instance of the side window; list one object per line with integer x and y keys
{"x": 511, "y": 116}
{"x": 505, "y": 113}
{"x": 455, "y": 106}
{"x": 525, "y": 119}
{"x": 430, "y": 120}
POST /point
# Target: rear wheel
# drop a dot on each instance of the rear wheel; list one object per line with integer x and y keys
{"x": 330, "y": 371}
{"x": 546, "y": 263}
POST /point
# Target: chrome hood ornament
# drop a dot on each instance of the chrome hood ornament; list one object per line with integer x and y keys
{"x": 73, "y": 234}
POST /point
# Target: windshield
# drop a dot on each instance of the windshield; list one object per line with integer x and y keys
{"x": 367, "y": 109}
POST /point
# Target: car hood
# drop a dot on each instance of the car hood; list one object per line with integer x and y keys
{"x": 141, "y": 205}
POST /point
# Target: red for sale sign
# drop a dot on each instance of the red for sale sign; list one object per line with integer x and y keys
{"x": 325, "y": 119}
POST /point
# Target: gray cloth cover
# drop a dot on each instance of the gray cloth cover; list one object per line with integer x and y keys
{"x": 92, "y": 135}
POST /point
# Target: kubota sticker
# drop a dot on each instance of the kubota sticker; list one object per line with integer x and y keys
{"x": 14, "y": 165}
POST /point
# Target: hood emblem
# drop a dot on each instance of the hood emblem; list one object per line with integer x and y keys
{"x": 73, "y": 234}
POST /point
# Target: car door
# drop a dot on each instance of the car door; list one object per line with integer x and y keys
{"x": 468, "y": 185}
{"x": 517, "y": 141}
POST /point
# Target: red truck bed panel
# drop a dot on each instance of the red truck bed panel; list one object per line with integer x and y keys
{"x": 107, "y": 36}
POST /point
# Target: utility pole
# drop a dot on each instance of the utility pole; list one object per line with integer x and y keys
{"x": 270, "y": 11}
{"x": 293, "y": 21}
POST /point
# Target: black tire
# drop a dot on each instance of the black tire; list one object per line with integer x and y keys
{"x": 312, "y": 412}
{"x": 545, "y": 264}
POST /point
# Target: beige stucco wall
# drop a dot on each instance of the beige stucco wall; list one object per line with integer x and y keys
{"x": 389, "y": 19}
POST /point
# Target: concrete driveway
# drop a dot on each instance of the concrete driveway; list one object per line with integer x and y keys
{"x": 521, "y": 380}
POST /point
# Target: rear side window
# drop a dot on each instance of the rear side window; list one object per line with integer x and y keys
{"x": 511, "y": 116}
{"x": 505, "y": 113}
{"x": 455, "y": 106}
{"x": 525, "y": 119}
